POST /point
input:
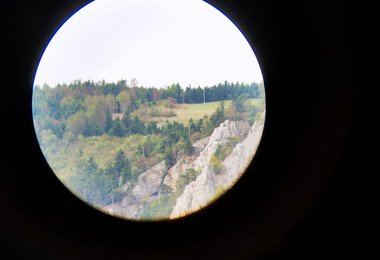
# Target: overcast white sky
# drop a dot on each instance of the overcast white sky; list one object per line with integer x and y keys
{"x": 158, "y": 42}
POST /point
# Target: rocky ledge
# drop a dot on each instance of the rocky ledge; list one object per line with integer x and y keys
{"x": 205, "y": 188}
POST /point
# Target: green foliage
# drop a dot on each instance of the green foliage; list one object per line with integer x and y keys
{"x": 169, "y": 158}
{"x": 127, "y": 101}
{"x": 218, "y": 116}
{"x": 188, "y": 147}
{"x": 84, "y": 108}
{"x": 70, "y": 105}
{"x": 121, "y": 167}
{"x": 187, "y": 177}
{"x": 219, "y": 153}
{"x": 172, "y": 133}
{"x": 101, "y": 186}
{"x": 48, "y": 141}
{"x": 117, "y": 128}
{"x": 109, "y": 120}
{"x": 240, "y": 102}
{"x": 216, "y": 164}
{"x": 152, "y": 128}
{"x": 148, "y": 112}
{"x": 169, "y": 102}
{"x": 252, "y": 115}
{"x": 77, "y": 123}
{"x": 223, "y": 151}
{"x": 91, "y": 183}
{"x": 75, "y": 126}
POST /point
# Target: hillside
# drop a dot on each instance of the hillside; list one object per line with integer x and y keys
{"x": 118, "y": 146}
{"x": 193, "y": 181}
{"x": 182, "y": 113}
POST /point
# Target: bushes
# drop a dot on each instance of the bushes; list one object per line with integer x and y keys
{"x": 168, "y": 102}
{"x": 169, "y": 158}
{"x": 185, "y": 179}
{"x": 146, "y": 112}
{"x": 223, "y": 151}
{"x": 161, "y": 112}
{"x": 216, "y": 164}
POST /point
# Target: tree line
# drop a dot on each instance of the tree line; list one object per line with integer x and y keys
{"x": 102, "y": 186}
{"x": 128, "y": 97}
{"x": 86, "y": 108}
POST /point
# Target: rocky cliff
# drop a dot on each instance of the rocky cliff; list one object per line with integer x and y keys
{"x": 204, "y": 149}
{"x": 205, "y": 188}
{"x": 241, "y": 156}
{"x": 184, "y": 164}
{"x": 144, "y": 191}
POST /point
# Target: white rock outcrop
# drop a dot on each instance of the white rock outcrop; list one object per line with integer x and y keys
{"x": 241, "y": 156}
{"x": 196, "y": 195}
{"x": 204, "y": 189}
{"x": 204, "y": 149}
{"x": 183, "y": 164}
{"x": 221, "y": 135}
{"x": 149, "y": 182}
{"x": 199, "y": 192}
{"x": 146, "y": 189}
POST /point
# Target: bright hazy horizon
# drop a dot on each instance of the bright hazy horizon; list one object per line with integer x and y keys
{"x": 157, "y": 42}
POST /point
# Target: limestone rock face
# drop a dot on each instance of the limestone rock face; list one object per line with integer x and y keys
{"x": 184, "y": 164}
{"x": 178, "y": 169}
{"x": 220, "y": 136}
{"x": 203, "y": 190}
{"x": 145, "y": 190}
{"x": 199, "y": 192}
{"x": 241, "y": 156}
{"x": 149, "y": 182}
{"x": 204, "y": 149}
{"x": 196, "y": 195}
{"x": 130, "y": 207}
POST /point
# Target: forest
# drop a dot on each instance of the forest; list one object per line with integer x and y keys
{"x": 98, "y": 137}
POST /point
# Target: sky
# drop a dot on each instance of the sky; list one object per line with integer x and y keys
{"x": 157, "y": 42}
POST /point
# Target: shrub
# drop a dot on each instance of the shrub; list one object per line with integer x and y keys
{"x": 196, "y": 136}
{"x": 216, "y": 164}
{"x": 169, "y": 102}
{"x": 185, "y": 179}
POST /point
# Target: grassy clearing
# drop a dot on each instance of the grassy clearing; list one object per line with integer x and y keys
{"x": 184, "y": 112}
{"x": 181, "y": 113}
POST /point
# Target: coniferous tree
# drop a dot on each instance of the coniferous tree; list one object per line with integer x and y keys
{"x": 122, "y": 167}
{"x": 168, "y": 158}
{"x": 109, "y": 120}
{"x": 117, "y": 128}
{"x": 188, "y": 147}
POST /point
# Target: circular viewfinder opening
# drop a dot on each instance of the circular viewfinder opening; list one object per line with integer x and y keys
{"x": 148, "y": 110}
